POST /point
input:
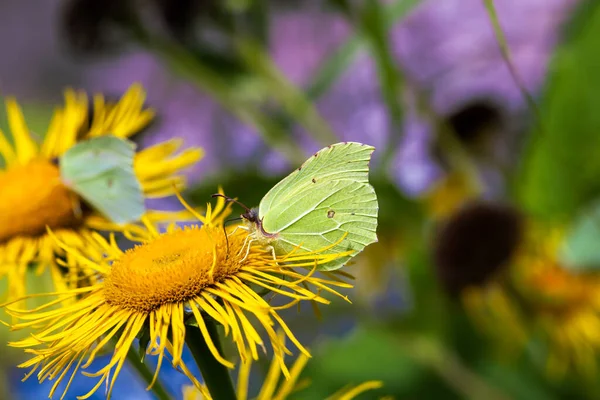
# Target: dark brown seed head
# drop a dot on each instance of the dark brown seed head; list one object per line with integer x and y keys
{"x": 475, "y": 244}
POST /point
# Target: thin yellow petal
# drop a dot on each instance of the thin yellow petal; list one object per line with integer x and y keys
{"x": 243, "y": 379}
{"x": 25, "y": 147}
{"x": 355, "y": 391}
{"x": 6, "y": 150}
{"x": 288, "y": 386}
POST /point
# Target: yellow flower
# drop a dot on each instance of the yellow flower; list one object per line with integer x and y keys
{"x": 33, "y": 196}
{"x": 566, "y": 304}
{"x": 449, "y": 194}
{"x": 543, "y": 300}
{"x": 274, "y": 389}
{"x": 190, "y": 273}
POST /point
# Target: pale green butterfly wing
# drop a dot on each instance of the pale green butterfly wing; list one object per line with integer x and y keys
{"x": 330, "y": 211}
{"x": 325, "y": 199}
{"x": 91, "y": 157}
{"x": 115, "y": 193}
{"x": 101, "y": 171}
{"x": 348, "y": 160}
{"x": 580, "y": 251}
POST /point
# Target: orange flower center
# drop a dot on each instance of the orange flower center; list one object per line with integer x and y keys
{"x": 33, "y": 197}
{"x": 173, "y": 268}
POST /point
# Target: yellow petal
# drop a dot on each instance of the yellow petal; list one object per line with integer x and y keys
{"x": 50, "y": 146}
{"x": 24, "y": 145}
{"x": 6, "y": 150}
{"x": 167, "y": 166}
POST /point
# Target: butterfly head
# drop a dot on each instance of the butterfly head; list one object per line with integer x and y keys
{"x": 251, "y": 215}
{"x": 255, "y": 223}
{"x": 252, "y": 219}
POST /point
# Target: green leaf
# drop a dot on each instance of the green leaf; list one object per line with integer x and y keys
{"x": 367, "y": 354}
{"x": 581, "y": 249}
{"x": 517, "y": 381}
{"x": 562, "y": 169}
{"x": 410, "y": 366}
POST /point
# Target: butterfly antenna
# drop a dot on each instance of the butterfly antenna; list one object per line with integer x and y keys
{"x": 226, "y": 242}
{"x": 232, "y": 200}
{"x": 232, "y": 219}
{"x": 226, "y": 221}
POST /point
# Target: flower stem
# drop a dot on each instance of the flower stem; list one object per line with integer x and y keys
{"x": 147, "y": 375}
{"x": 433, "y": 354}
{"x": 216, "y": 375}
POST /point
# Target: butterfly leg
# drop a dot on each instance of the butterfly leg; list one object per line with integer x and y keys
{"x": 269, "y": 247}
{"x": 236, "y": 228}
{"x": 247, "y": 242}
{"x": 248, "y": 248}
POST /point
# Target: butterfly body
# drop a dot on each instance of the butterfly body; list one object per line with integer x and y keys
{"x": 255, "y": 226}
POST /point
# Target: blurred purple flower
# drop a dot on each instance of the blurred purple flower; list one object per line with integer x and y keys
{"x": 446, "y": 48}
{"x": 354, "y": 107}
{"x": 300, "y": 41}
{"x": 34, "y": 65}
{"x": 449, "y": 50}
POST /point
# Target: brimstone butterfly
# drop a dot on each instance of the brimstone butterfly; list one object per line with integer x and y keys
{"x": 327, "y": 200}
{"x": 100, "y": 170}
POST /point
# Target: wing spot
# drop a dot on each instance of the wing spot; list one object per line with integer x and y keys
{"x": 109, "y": 183}
{"x": 314, "y": 180}
{"x": 330, "y": 214}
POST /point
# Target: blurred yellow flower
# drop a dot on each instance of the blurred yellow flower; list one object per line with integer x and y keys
{"x": 182, "y": 274}
{"x": 33, "y": 196}
{"x": 274, "y": 389}
{"x": 542, "y": 300}
{"x": 449, "y": 194}
{"x": 566, "y": 304}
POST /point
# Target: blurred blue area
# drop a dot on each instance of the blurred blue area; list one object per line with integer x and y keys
{"x": 128, "y": 385}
